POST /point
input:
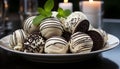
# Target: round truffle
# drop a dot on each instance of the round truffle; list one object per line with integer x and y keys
{"x": 56, "y": 45}
{"x": 77, "y": 21}
{"x": 17, "y": 39}
{"x": 51, "y": 27}
{"x": 28, "y": 25}
{"x": 104, "y": 35}
{"x": 99, "y": 38}
{"x": 81, "y": 43}
{"x": 34, "y": 43}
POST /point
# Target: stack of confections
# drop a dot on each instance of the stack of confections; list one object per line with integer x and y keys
{"x": 56, "y": 45}
{"x": 81, "y": 43}
{"x": 28, "y": 26}
{"x": 17, "y": 39}
{"x": 51, "y": 27}
{"x": 99, "y": 38}
{"x": 77, "y": 21}
{"x": 54, "y": 36}
{"x": 34, "y": 43}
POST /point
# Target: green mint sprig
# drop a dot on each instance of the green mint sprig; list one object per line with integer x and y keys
{"x": 44, "y": 12}
{"x": 47, "y": 12}
{"x": 63, "y": 13}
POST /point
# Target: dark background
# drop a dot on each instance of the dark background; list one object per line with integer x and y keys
{"x": 111, "y": 7}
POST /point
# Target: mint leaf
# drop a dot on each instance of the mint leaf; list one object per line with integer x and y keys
{"x": 67, "y": 13}
{"x": 37, "y": 20}
{"x": 59, "y": 16}
{"x": 48, "y": 14}
{"x": 41, "y": 11}
{"x": 49, "y": 5}
{"x": 63, "y": 13}
{"x": 60, "y": 11}
{"x": 44, "y": 13}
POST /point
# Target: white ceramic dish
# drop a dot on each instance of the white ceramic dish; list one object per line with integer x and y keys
{"x": 112, "y": 42}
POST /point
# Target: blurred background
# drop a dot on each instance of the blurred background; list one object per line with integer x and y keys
{"x": 111, "y": 7}
{"x": 13, "y": 13}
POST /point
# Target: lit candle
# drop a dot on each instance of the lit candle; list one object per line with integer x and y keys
{"x": 92, "y": 9}
{"x": 6, "y": 4}
{"x": 66, "y": 5}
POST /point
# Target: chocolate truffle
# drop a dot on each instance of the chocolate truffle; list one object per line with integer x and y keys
{"x": 56, "y": 45}
{"x": 104, "y": 35}
{"x": 34, "y": 43}
{"x": 28, "y": 25}
{"x": 51, "y": 27}
{"x": 77, "y": 21}
{"x": 99, "y": 38}
{"x": 17, "y": 39}
{"x": 66, "y": 35}
{"x": 81, "y": 43}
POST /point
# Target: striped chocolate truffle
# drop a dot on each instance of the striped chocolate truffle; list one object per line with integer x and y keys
{"x": 34, "y": 43}
{"x": 28, "y": 26}
{"x": 77, "y": 21}
{"x": 17, "y": 39}
{"x": 81, "y": 43}
{"x": 56, "y": 45}
{"x": 51, "y": 27}
{"x": 99, "y": 38}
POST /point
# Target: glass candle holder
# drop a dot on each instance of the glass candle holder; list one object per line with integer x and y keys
{"x": 1, "y": 19}
{"x": 30, "y": 7}
{"x": 27, "y": 8}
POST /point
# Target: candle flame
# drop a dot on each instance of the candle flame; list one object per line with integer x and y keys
{"x": 65, "y": 1}
{"x": 90, "y": 0}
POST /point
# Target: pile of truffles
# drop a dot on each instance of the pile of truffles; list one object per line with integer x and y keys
{"x": 73, "y": 34}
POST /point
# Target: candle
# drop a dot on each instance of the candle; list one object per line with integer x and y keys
{"x": 92, "y": 9}
{"x": 66, "y": 5}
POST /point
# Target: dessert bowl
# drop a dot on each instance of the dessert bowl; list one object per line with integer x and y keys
{"x": 112, "y": 42}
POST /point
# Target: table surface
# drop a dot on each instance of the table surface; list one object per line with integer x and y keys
{"x": 107, "y": 60}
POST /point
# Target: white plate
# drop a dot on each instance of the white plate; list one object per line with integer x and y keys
{"x": 112, "y": 42}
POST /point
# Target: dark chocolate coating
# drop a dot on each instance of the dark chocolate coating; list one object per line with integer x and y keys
{"x": 66, "y": 35}
{"x": 98, "y": 41}
{"x": 82, "y": 26}
{"x": 34, "y": 43}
